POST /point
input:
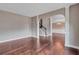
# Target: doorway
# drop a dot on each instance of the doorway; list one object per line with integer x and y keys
{"x": 58, "y": 33}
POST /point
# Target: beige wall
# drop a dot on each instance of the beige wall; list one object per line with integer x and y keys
{"x": 52, "y": 13}
{"x": 13, "y": 26}
{"x": 34, "y": 26}
{"x": 74, "y": 25}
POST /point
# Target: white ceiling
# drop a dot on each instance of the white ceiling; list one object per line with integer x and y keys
{"x": 30, "y": 9}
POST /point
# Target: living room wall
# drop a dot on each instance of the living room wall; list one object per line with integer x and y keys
{"x": 14, "y": 26}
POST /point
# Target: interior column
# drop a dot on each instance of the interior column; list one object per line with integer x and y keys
{"x": 38, "y": 40}
{"x": 67, "y": 25}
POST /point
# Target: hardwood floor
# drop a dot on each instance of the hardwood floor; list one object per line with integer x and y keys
{"x": 19, "y": 46}
{"x": 71, "y": 51}
{"x": 27, "y": 46}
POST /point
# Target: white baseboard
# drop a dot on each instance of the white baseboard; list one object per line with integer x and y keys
{"x": 16, "y": 38}
{"x": 72, "y": 46}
